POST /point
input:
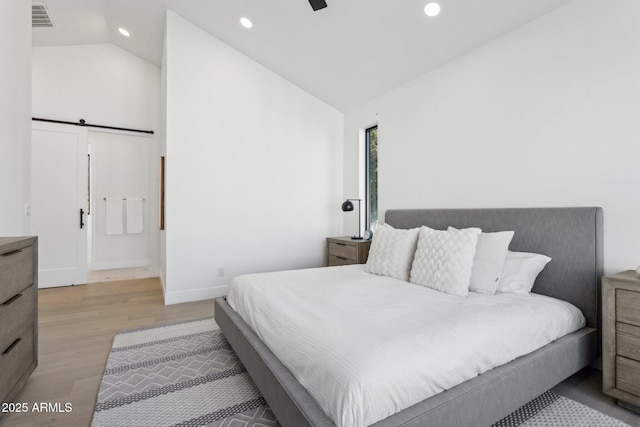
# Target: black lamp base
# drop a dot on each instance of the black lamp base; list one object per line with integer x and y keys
{"x": 357, "y": 238}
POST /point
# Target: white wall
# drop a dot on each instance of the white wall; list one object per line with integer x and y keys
{"x": 547, "y": 115}
{"x": 254, "y": 167}
{"x": 100, "y": 83}
{"x": 15, "y": 116}
{"x": 105, "y": 85}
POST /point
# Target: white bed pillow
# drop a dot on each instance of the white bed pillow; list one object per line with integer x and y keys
{"x": 392, "y": 251}
{"x": 443, "y": 259}
{"x": 491, "y": 252}
{"x": 520, "y": 271}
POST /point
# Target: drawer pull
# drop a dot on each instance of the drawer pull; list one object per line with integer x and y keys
{"x": 341, "y": 244}
{"x": 13, "y": 344}
{"x": 341, "y": 257}
{"x": 17, "y": 251}
{"x": 12, "y": 299}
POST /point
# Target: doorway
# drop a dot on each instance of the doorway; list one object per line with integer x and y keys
{"x": 91, "y": 204}
{"x": 120, "y": 199}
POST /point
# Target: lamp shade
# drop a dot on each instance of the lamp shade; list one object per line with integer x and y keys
{"x": 347, "y": 206}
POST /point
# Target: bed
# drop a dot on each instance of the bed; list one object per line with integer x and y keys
{"x": 571, "y": 236}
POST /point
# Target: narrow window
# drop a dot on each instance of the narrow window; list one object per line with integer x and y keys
{"x": 371, "y": 155}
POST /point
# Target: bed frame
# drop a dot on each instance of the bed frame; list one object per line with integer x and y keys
{"x": 572, "y": 237}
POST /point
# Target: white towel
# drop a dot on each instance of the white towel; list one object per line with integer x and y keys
{"x": 114, "y": 215}
{"x": 134, "y": 215}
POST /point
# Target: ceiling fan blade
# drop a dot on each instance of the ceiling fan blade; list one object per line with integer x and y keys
{"x": 317, "y": 4}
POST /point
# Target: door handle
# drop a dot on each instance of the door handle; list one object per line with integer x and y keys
{"x": 81, "y": 218}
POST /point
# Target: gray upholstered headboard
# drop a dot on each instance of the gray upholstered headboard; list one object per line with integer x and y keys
{"x": 572, "y": 237}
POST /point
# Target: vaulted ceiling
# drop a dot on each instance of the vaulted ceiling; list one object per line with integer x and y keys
{"x": 344, "y": 54}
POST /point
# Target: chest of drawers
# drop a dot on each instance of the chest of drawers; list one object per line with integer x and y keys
{"x": 18, "y": 313}
{"x": 345, "y": 250}
{"x": 621, "y": 338}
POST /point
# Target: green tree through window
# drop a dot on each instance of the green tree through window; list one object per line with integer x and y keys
{"x": 372, "y": 175}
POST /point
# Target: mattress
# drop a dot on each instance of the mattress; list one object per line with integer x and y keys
{"x": 366, "y": 346}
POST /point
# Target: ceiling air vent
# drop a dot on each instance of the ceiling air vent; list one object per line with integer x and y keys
{"x": 40, "y": 16}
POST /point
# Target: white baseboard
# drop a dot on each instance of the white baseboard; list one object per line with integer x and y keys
{"x": 57, "y": 285}
{"x": 194, "y": 294}
{"x": 56, "y": 277}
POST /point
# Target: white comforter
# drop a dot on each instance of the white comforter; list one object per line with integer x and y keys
{"x": 366, "y": 346}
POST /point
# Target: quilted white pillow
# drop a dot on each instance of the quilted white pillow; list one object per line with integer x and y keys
{"x": 491, "y": 251}
{"x": 520, "y": 271}
{"x": 392, "y": 251}
{"x": 443, "y": 259}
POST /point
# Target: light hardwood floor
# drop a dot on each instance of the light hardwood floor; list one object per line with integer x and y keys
{"x": 76, "y": 329}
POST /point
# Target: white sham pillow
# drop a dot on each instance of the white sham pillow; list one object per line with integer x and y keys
{"x": 520, "y": 271}
{"x": 392, "y": 251}
{"x": 491, "y": 252}
{"x": 443, "y": 259}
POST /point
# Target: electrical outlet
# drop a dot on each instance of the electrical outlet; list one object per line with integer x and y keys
{"x": 220, "y": 271}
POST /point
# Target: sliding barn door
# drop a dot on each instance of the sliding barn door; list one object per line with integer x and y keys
{"x": 59, "y": 199}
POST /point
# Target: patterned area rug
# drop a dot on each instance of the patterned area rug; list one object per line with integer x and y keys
{"x": 553, "y": 410}
{"x": 186, "y": 374}
{"x": 182, "y": 374}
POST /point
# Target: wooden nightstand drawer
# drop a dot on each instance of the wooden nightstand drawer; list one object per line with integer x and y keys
{"x": 334, "y": 260}
{"x": 628, "y": 341}
{"x": 15, "y": 359}
{"x": 628, "y": 375}
{"x": 15, "y": 314}
{"x": 16, "y": 271}
{"x": 343, "y": 250}
{"x": 628, "y": 306}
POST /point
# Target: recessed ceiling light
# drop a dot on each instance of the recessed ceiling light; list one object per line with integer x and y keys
{"x": 124, "y": 32}
{"x": 432, "y": 9}
{"x": 246, "y": 22}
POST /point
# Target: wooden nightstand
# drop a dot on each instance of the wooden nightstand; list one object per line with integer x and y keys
{"x": 345, "y": 250}
{"x": 621, "y": 338}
